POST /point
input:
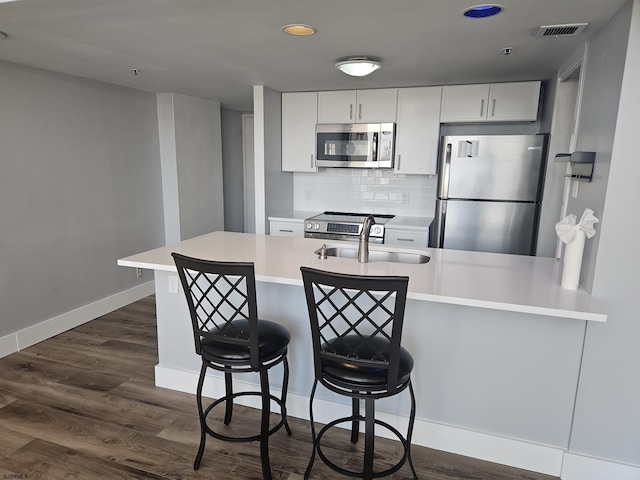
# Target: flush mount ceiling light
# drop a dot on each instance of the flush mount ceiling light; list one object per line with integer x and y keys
{"x": 358, "y": 66}
{"x": 7, "y": 1}
{"x": 482, "y": 11}
{"x": 299, "y": 29}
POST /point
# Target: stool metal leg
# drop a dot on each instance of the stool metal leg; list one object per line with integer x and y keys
{"x": 264, "y": 426}
{"x": 369, "y": 437}
{"x": 228, "y": 387}
{"x": 314, "y": 442}
{"x": 355, "y": 425}
{"x": 412, "y": 417}
{"x": 285, "y": 383}
{"x": 203, "y": 420}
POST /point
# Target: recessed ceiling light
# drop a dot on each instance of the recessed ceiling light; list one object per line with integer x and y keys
{"x": 299, "y": 29}
{"x": 482, "y": 11}
{"x": 358, "y": 66}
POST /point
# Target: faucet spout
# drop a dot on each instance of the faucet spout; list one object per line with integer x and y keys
{"x": 363, "y": 245}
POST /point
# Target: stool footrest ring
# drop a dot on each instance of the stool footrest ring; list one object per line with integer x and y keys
{"x": 251, "y": 438}
{"x": 352, "y": 473}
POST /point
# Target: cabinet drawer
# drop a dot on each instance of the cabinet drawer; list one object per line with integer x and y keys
{"x": 406, "y": 238}
{"x": 286, "y": 229}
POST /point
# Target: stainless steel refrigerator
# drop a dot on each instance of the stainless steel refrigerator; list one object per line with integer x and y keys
{"x": 489, "y": 193}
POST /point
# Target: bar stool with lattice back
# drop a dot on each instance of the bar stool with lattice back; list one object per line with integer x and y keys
{"x": 356, "y": 330}
{"x": 230, "y": 338}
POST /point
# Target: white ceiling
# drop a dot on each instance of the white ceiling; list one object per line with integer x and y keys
{"x": 219, "y": 49}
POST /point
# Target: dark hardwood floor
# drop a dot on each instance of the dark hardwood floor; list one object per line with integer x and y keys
{"x": 83, "y": 405}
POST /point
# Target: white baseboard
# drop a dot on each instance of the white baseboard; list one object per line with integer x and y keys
{"x": 49, "y": 328}
{"x": 581, "y": 467}
{"x": 506, "y": 451}
{"x": 8, "y": 345}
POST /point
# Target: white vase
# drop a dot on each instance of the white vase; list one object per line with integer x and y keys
{"x": 572, "y": 261}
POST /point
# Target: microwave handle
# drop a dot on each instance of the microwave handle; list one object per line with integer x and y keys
{"x": 374, "y": 147}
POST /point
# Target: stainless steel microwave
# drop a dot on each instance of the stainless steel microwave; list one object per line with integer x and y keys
{"x": 355, "y": 145}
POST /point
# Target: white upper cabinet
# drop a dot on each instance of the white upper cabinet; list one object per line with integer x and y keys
{"x": 513, "y": 102}
{"x": 418, "y": 130}
{"x": 358, "y": 106}
{"x": 377, "y": 105}
{"x": 337, "y": 107}
{"x": 299, "y": 113}
{"x": 496, "y": 102}
{"x": 464, "y": 103}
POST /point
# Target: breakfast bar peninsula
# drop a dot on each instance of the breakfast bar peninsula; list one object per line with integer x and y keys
{"x": 497, "y": 342}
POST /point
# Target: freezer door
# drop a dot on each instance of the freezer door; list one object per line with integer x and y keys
{"x": 485, "y": 167}
{"x": 497, "y": 227}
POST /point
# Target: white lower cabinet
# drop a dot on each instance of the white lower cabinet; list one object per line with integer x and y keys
{"x": 286, "y": 229}
{"x": 406, "y": 237}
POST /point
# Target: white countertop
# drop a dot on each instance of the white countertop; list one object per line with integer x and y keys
{"x": 514, "y": 283}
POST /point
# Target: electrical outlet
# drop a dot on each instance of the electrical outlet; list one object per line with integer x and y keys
{"x": 307, "y": 195}
{"x": 138, "y": 272}
{"x": 405, "y": 197}
{"x": 173, "y": 284}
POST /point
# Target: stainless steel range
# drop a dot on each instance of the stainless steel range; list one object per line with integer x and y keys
{"x": 344, "y": 226}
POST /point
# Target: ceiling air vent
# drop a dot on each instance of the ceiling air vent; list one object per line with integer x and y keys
{"x": 565, "y": 30}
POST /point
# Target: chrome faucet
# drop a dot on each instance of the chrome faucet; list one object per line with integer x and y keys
{"x": 363, "y": 245}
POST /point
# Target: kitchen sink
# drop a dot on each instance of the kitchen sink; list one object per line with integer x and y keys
{"x": 396, "y": 256}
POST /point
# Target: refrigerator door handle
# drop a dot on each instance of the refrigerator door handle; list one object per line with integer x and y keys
{"x": 439, "y": 223}
{"x": 443, "y": 187}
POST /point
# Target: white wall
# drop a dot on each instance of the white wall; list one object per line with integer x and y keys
{"x": 232, "y": 170}
{"x": 603, "y": 76}
{"x": 80, "y": 187}
{"x": 191, "y": 149}
{"x": 273, "y": 187}
{"x": 607, "y": 417}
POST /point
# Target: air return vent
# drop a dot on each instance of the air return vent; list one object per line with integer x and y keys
{"x": 565, "y": 30}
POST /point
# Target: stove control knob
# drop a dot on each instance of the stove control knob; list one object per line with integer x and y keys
{"x": 309, "y": 225}
{"x": 377, "y": 230}
{"x": 316, "y": 226}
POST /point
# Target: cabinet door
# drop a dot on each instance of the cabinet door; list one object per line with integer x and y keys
{"x": 464, "y": 103}
{"x": 406, "y": 238}
{"x": 337, "y": 107}
{"x": 418, "y": 130}
{"x": 299, "y": 113}
{"x": 376, "y": 106}
{"x": 286, "y": 229}
{"x": 515, "y": 102}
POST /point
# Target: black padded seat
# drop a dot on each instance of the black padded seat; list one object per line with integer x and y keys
{"x": 343, "y": 371}
{"x": 356, "y": 330}
{"x": 230, "y": 338}
{"x": 273, "y": 340}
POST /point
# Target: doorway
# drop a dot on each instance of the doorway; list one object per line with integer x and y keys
{"x": 248, "y": 174}
{"x": 565, "y": 122}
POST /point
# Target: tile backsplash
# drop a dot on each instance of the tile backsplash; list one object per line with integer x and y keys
{"x": 365, "y": 190}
